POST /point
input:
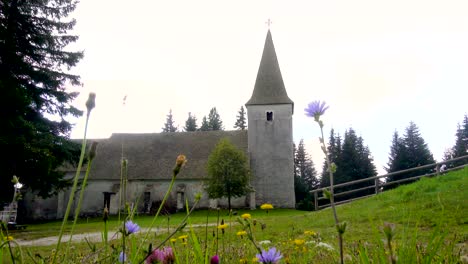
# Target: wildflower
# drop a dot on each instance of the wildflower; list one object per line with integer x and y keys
{"x": 246, "y": 216}
{"x": 243, "y": 261}
{"x": 325, "y": 246}
{"x": 122, "y": 257}
{"x": 309, "y": 233}
{"x": 299, "y": 242}
{"x": 264, "y": 242}
{"x": 164, "y": 255}
{"x": 131, "y": 227}
{"x": 271, "y": 256}
{"x": 91, "y": 103}
{"x": 181, "y": 160}
{"x": 173, "y": 240}
{"x": 214, "y": 260}
{"x": 315, "y": 109}
{"x": 241, "y": 233}
{"x": 223, "y": 226}
{"x": 254, "y": 260}
{"x": 9, "y": 238}
{"x": 266, "y": 206}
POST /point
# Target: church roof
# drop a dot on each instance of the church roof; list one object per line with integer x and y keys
{"x": 152, "y": 156}
{"x": 269, "y": 86}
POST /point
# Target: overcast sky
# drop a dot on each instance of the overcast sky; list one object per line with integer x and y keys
{"x": 378, "y": 64}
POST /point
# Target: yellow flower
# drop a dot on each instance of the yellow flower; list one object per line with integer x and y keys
{"x": 241, "y": 233}
{"x": 243, "y": 260}
{"x": 299, "y": 242}
{"x": 266, "y": 206}
{"x": 309, "y": 233}
{"x": 173, "y": 240}
{"x": 255, "y": 260}
{"x": 246, "y": 216}
{"x": 223, "y": 226}
{"x": 9, "y": 238}
{"x": 184, "y": 239}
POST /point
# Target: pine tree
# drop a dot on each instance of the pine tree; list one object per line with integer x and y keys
{"x": 397, "y": 155}
{"x": 205, "y": 126}
{"x": 412, "y": 152}
{"x": 214, "y": 120}
{"x": 34, "y": 105}
{"x": 460, "y": 148}
{"x": 169, "y": 125}
{"x": 191, "y": 123}
{"x": 241, "y": 120}
{"x": 334, "y": 151}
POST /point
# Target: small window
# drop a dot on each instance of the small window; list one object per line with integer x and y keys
{"x": 269, "y": 116}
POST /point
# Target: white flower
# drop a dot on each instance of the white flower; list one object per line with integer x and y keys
{"x": 264, "y": 242}
{"x": 325, "y": 246}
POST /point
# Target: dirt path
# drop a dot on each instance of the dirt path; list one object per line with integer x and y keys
{"x": 92, "y": 237}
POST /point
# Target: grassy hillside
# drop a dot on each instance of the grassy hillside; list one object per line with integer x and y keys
{"x": 430, "y": 218}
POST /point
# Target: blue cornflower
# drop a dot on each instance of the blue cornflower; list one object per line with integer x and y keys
{"x": 271, "y": 256}
{"x": 131, "y": 227}
{"x": 122, "y": 257}
{"x": 315, "y": 109}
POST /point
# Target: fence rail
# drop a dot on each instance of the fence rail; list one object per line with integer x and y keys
{"x": 378, "y": 185}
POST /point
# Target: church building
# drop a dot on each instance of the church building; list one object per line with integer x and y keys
{"x": 268, "y": 145}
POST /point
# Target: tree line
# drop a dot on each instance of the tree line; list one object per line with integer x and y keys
{"x": 211, "y": 123}
{"x": 354, "y": 161}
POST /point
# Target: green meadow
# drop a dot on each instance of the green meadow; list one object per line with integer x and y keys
{"x": 430, "y": 220}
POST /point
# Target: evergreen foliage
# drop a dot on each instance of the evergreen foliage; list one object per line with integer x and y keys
{"x": 169, "y": 125}
{"x": 205, "y": 126}
{"x": 460, "y": 148}
{"x": 228, "y": 172}
{"x": 191, "y": 123}
{"x": 305, "y": 178}
{"x": 353, "y": 160}
{"x": 408, "y": 152}
{"x": 214, "y": 120}
{"x": 34, "y": 132}
{"x": 241, "y": 120}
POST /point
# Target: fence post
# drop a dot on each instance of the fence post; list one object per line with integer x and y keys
{"x": 377, "y": 187}
{"x": 316, "y": 201}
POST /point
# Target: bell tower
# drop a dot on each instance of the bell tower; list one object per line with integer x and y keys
{"x": 270, "y": 140}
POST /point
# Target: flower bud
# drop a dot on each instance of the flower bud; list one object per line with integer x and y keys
{"x": 91, "y": 103}
{"x": 92, "y": 151}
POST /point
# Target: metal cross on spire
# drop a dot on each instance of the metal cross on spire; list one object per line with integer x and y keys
{"x": 268, "y": 22}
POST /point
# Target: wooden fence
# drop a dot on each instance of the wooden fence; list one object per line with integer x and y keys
{"x": 378, "y": 185}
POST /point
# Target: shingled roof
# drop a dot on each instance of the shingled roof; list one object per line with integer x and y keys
{"x": 269, "y": 86}
{"x": 152, "y": 156}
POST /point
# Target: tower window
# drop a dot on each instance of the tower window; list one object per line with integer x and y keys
{"x": 269, "y": 116}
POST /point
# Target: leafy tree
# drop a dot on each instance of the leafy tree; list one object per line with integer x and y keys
{"x": 412, "y": 151}
{"x": 34, "y": 105}
{"x": 241, "y": 120}
{"x": 228, "y": 173}
{"x": 205, "y": 126}
{"x": 305, "y": 178}
{"x": 191, "y": 123}
{"x": 460, "y": 148}
{"x": 214, "y": 120}
{"x": 169, "y": 125}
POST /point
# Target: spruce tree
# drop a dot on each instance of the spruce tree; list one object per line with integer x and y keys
{"x": 412, "y": 152}
{"x": 35, "y": 104}
{"x": 205, "y": 126}
{"x": 460, "y": 148}
{"x": 169, "y": 125}
{"x": 191, "y": 123}
{"x": 305, "y": 178}
{"x": 241, "y": 120}
{"x": 334, "y": 151}
{"x": 214, "y": 120}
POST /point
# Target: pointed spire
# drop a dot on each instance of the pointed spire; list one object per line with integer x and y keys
{"x": 269, "y": 86}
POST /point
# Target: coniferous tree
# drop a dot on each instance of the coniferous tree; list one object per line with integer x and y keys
{"x": 205, "y": 126}
{"x": 191, "y": 123}
{"x": 413, "y": 152}
{"x": 397, "y": 154}
{"x": 34, "y": 105}
{"x": 241, "y": 120}
{"x": 169, "y": 125}
{"x": 334, "y": 151}
{"x": 305, "y": 178}
{"x": 460, "y": 148}
{"x": 214, "y": 120}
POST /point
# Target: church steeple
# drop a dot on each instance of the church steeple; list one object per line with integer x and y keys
{"x": 269, "y": 87}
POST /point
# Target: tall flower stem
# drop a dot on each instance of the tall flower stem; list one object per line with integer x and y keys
{"x": 332, "y": 195}
{"x": 89, "y": 105}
